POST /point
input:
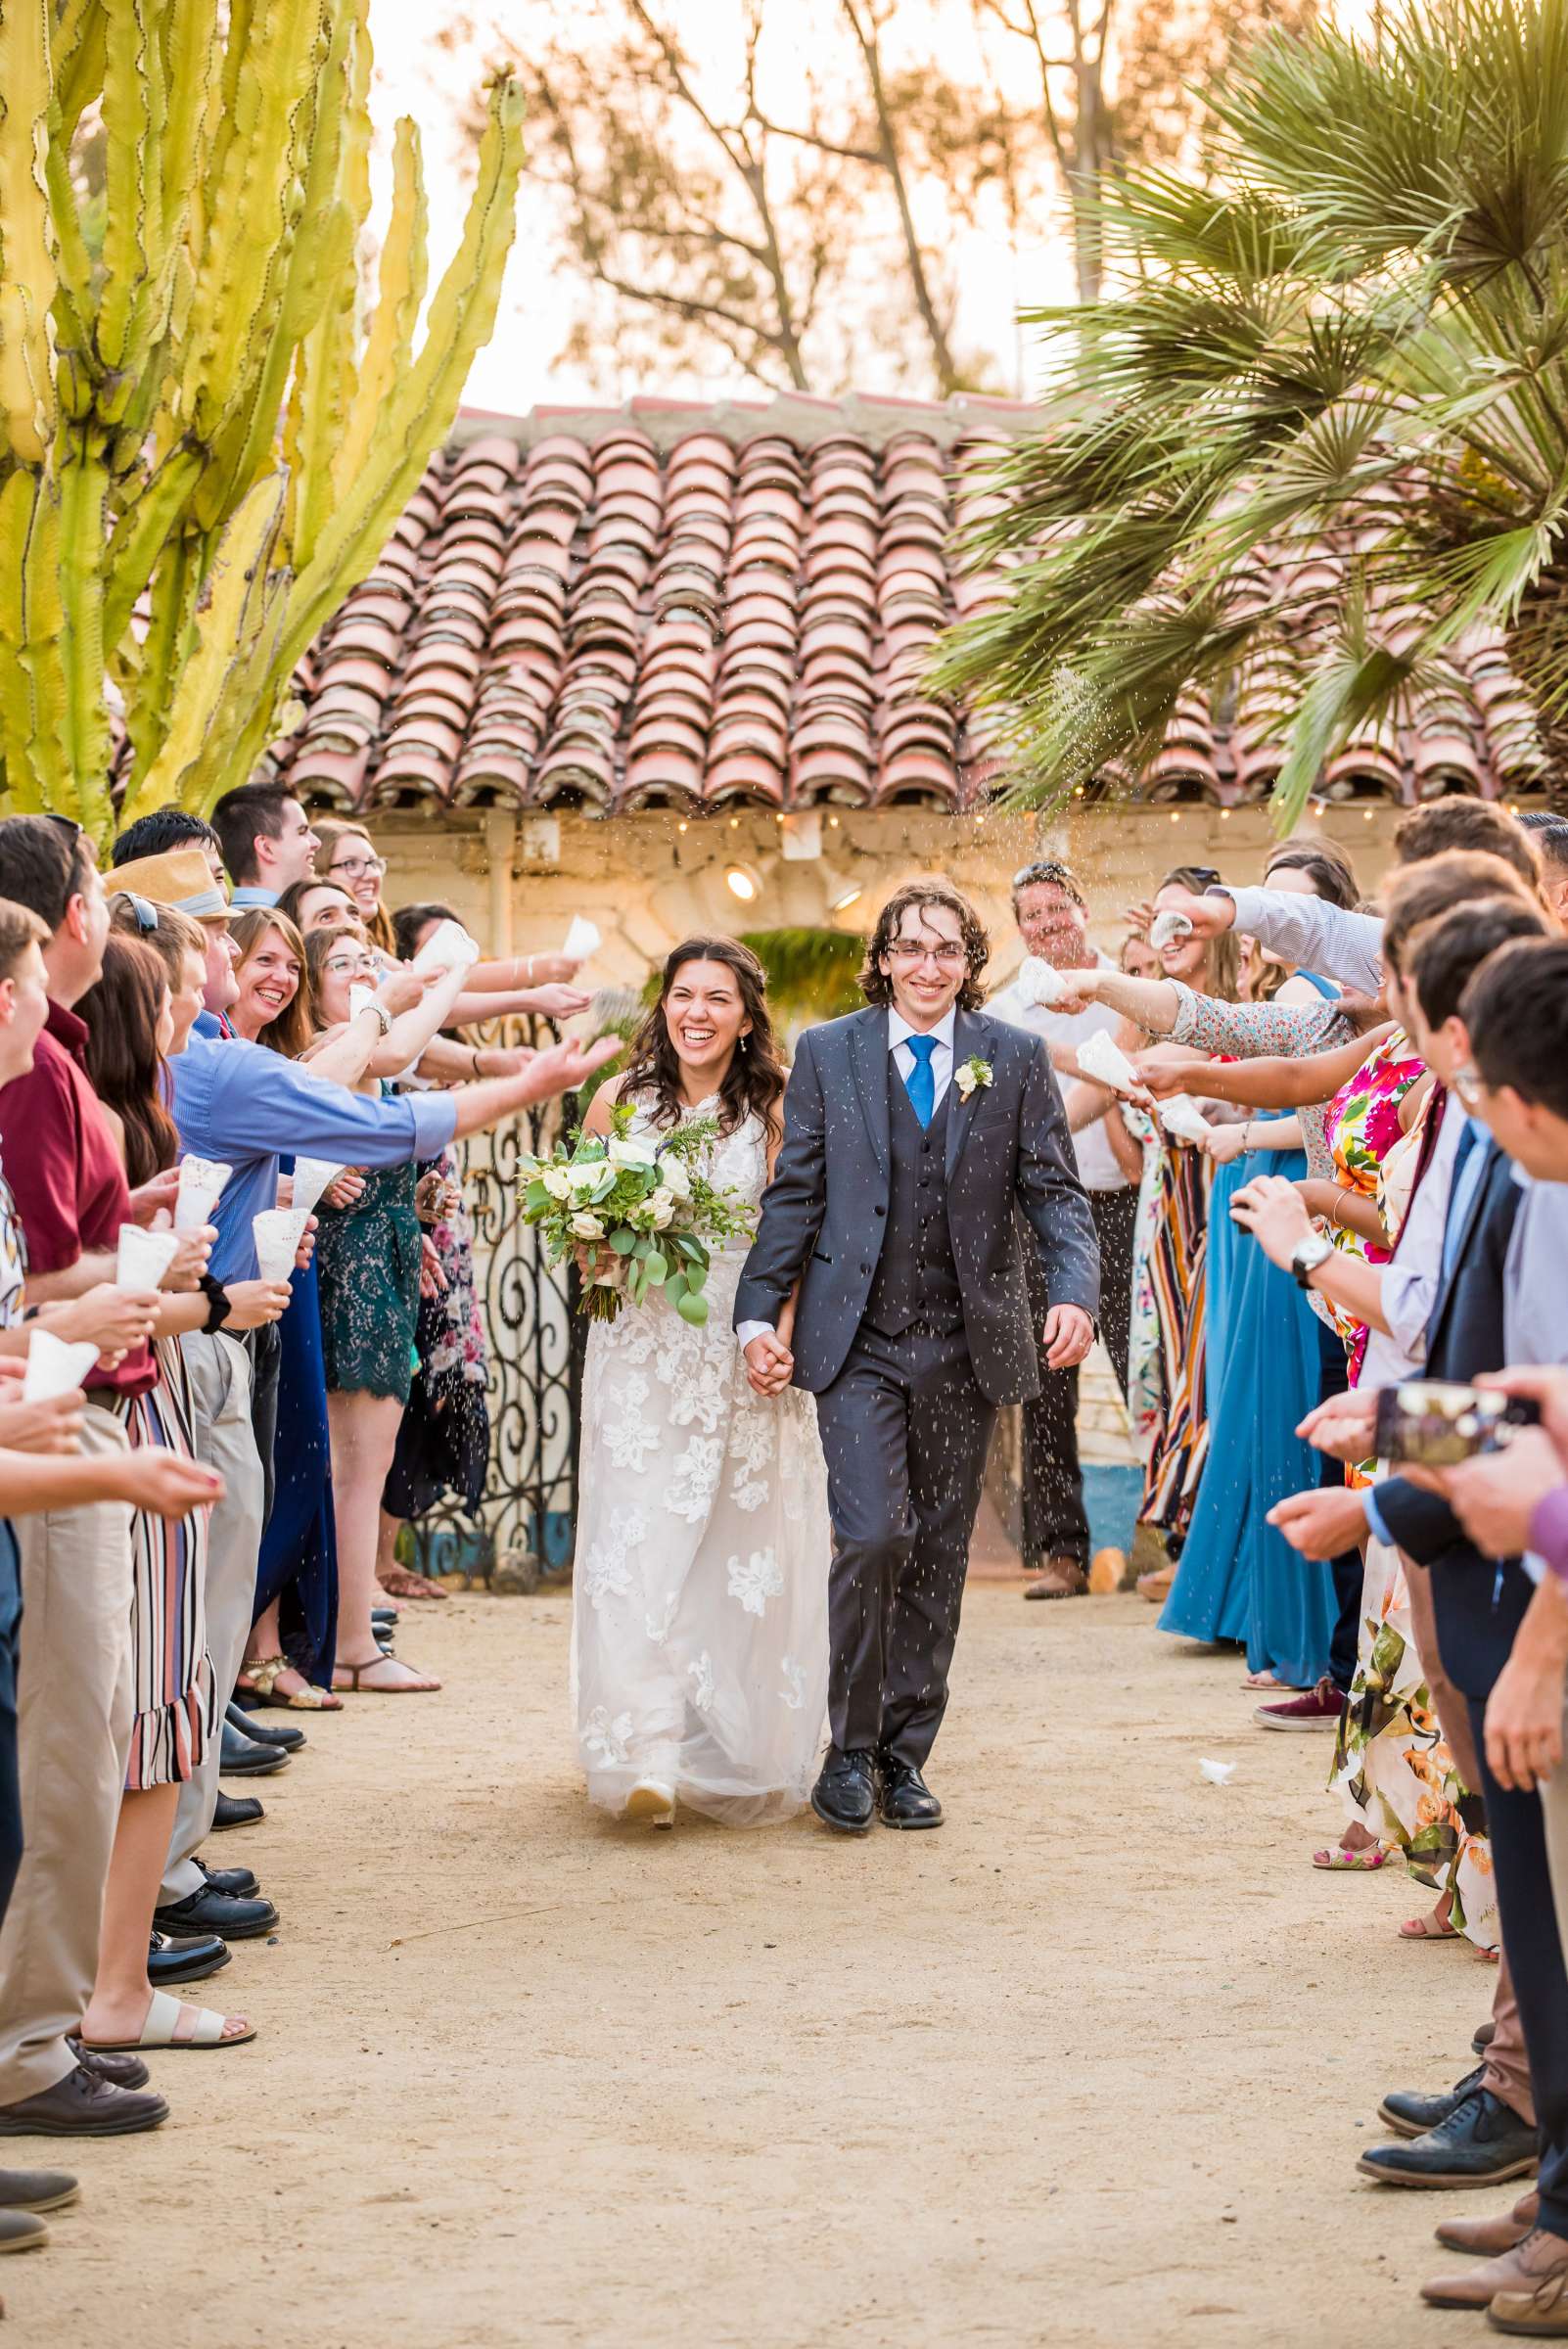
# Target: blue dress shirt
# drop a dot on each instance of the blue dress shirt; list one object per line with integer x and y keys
{"x": 241, "y": 1104}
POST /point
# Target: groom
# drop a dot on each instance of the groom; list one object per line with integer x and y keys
{"x": 916, "y": 1137}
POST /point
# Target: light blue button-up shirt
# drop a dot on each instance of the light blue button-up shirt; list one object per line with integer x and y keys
{"x": 251, "y": 895}
{"x": 241, "y": 1104}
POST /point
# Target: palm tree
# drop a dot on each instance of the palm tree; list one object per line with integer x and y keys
{"x": 1350, "y": 362}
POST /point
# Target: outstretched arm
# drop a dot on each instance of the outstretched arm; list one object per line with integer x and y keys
{"x": 1268, "y": 1083}
{"x": 1056, "y": 1207}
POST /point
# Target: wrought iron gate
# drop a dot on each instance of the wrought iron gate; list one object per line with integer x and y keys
{"x": 535, "y": 1339}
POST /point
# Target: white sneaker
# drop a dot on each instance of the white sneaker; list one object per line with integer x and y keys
{"x": 652, "y": 1801}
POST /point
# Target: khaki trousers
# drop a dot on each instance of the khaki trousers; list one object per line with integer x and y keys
{"x": 73, "y": 1725}
{"x": 219, "y": 1372}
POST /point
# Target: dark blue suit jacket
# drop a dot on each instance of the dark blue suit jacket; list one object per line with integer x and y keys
{"x": 1479, "y": 1604}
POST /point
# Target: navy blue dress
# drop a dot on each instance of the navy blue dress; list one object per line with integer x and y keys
{"x": 1237, "y": 1578}
{"x": 297, "y": 1563}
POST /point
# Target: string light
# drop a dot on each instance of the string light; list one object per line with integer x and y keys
{"x": 680, "y": 827}
{"x": 734, "y": 823}
{"x": 1175, "y": 815}
{"x": 833, "y": 823}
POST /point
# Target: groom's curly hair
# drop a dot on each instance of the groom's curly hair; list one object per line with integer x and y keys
{"x": 877, "y": 987}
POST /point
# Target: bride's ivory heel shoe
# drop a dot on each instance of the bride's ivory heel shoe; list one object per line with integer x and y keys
{"x": 652, "y": 1801}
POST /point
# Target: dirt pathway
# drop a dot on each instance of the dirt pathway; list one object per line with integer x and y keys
{"x": 1091, "y": 2065}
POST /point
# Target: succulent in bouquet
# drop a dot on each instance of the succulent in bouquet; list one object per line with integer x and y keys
{"x": 637, "y": 1212}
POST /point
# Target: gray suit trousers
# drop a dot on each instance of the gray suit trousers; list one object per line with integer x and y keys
{"x": 905, "y": 1431}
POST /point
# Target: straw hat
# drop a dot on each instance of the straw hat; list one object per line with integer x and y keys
{"x": 182, "y": 877}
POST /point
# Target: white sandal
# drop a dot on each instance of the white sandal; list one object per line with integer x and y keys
{"x": 172, "y": 2023}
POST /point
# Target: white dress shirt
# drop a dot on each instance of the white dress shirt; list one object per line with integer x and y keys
{"x": 903, "y": 1062}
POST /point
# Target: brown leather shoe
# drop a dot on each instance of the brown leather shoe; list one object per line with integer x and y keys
{"x": 1539, "y": 2306}
{"x": 83, "y": 2104}
{"x": 1490, "y": 2237}
{"x": 1061, "y": 1577}
{"x": 1529, "y": 2264}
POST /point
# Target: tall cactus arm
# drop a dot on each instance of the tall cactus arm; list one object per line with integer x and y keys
{"x": 139, "y": 536}
{"x": 188, "y": 30}
{"x": 249, "y": 222}
{"x": 28, "y": 275}
{"x": 83, "y": 493}
{"x": 419, "y": 412}
{"x": 236, "y": 603}
{"x": 135, "y": 120}
{"x": 400, "y": 291}
{"x": 76, "y": 53}
{"x": 33, "y": 621}
{"x": 325, "y": 311}
{"x": 147, "y": 673}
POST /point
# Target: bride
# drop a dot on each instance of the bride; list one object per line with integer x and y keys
{"x": 699, "y": 1647}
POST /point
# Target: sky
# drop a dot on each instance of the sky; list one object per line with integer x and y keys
{"x": 522, "y": 364}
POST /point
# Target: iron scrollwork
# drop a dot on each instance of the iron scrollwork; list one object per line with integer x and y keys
{"x": 535, "y": 1339}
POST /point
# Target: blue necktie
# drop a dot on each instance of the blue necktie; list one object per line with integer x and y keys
{"x": 921, "y": 1083}
{"x": 1460, "y": 1195}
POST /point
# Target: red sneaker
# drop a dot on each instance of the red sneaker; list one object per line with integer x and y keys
{"x": 1319, "y": 1709}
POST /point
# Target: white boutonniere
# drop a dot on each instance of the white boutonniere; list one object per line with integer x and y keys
{"x": 973, "y": 1077}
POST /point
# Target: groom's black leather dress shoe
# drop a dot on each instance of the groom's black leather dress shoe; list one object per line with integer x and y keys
{"x": 845, "y": 1795}
{"x": 903, "y": 1799}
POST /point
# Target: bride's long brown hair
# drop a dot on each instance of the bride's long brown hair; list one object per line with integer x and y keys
{"x": 756, "y": 1079}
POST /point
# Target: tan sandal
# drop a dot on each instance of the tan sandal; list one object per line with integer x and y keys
{"x": 261, "y": 1679}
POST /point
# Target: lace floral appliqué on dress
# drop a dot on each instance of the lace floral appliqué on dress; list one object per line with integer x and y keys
{"x": 700, "y": 1608}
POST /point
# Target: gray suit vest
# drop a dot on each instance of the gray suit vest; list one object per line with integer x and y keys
{"x": 916, "y": 1282}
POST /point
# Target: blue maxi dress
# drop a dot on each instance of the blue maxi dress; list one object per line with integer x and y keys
{"x": 1238, "y": 1579}
{"x": 299, "y": 1559}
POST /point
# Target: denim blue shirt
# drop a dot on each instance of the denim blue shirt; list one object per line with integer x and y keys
{"x": 241, "y": 1104}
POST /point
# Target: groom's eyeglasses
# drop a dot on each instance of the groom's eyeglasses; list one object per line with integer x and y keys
{"x": 910, "y": 950}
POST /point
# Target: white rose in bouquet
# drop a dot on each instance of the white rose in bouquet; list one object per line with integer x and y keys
{"x": 673, "y": 1178}
{"x": 626, "y": 1151}
{"x": 556, "y": 1182}
{"x": 659, "y": 1206}
{"x": 584, "y": 1176}
{"x": 586, "y": 1227}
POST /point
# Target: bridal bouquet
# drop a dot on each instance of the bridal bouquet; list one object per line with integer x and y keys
{"x": 637, "y": 1212}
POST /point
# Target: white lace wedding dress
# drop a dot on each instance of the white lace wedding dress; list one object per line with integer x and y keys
{"x": 699, "y": 1639}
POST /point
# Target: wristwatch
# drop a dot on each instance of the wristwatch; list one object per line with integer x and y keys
{"x": 383, "y": 1017}
{"x": 1307, "y": 1254}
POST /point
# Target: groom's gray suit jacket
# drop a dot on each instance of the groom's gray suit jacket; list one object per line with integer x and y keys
{"x": 825, "y": 1213}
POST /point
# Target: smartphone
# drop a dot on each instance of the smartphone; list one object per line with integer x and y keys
{"x": 1433, "y": 1423}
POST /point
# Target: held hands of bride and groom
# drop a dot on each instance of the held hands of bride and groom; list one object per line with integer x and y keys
{"x": 770, "y": 1364}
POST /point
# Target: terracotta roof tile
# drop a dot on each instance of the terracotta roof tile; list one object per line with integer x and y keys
{"x": 684, "y": 604}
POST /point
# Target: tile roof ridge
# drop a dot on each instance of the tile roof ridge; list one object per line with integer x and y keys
{"x": 804, "y": 419}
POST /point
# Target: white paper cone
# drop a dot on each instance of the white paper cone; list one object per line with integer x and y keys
{"x": 1040, "y": 983}
{"x": 360, "y": 999}
{"x": 1218, "y": 1774}
{"x": 582, "y": 939}
{"x": 201, "y": 1182}
{"x": 312, "y": 1176}
{"x": 278, "y": 1232}
{"x": 1182, "y": 1116}
{"x": 144, "y": 1257}
{"x": 1100, "y": 1057}
{"x": 448, "y": 947}
{"x": 55, "y": 1367}
{"x": 1167, "y": 928}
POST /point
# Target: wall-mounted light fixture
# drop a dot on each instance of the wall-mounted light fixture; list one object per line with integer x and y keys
{"x": 742, "y": 882}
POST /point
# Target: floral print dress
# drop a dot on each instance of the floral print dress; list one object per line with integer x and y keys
{"x": 1362, "y": 1127}
{"x": 699, "y": 1641}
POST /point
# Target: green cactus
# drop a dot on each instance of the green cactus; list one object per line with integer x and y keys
{"x": 203, "y": 442}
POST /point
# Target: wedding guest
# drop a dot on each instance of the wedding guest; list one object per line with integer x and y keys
{"x": 318, "y": 905}
{"x": 128, "y": 1020}
{"x": 218, "y": 1365}
{"x": 1051, "y": 911}
{"x": 1548, "y": 836}
{"x": 267, "y": 842}
{"x": 347, "y": 857}
{"x": 166, "y": 829}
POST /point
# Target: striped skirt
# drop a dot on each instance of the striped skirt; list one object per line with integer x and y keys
{"x": 174, "y": 1692}
{"x": 1176, "y": 1265}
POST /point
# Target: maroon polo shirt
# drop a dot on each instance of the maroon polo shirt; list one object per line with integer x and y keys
{"x": 64, "y": 1169}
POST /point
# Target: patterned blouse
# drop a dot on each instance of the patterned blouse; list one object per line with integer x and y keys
{"x": 1268, "y": 1031}
{"x": 1363, "y": 1127}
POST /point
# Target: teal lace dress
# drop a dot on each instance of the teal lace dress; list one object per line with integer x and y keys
{"x": 369, "y": 1256}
